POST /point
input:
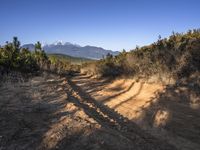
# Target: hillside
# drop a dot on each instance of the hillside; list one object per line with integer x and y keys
{"x": 145, "y": 99}
{"x": 176, "y": 57}
{"x": 99, "y": 74}
{"x": 72, "y": 60}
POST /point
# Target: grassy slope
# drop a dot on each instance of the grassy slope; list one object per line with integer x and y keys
{"x": 72, "y": 60}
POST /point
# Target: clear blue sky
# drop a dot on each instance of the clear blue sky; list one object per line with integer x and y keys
{"x": 111, "y": 24}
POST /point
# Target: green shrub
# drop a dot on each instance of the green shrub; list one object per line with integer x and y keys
{"x": 177, "y": 56}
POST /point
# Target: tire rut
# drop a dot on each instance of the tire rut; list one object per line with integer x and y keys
{"x": 113, "y": 121}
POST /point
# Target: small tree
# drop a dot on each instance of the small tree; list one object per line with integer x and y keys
{"x": 15, "y": 52}
{"x": 16, "y": 45}
{"x": 40, "y": 55}
{"x": 109, "y": 56}
{"x": 38, "y": 46}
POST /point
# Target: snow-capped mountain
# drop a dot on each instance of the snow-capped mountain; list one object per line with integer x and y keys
{"x": 74, "y": 50}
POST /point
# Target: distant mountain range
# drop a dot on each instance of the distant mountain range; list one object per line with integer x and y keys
{"x": 74, "y": 50}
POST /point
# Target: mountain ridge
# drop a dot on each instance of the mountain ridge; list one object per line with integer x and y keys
{"x": 75, "y": 50}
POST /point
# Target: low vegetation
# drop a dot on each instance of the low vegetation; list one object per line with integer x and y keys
{"x": 175, "y": 57}
{"x": 62, "y": 64}
{"x": 15, "y": 58}
{"x": 70, "y": 59}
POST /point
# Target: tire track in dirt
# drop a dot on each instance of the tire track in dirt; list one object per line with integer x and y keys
{"x": 113, "y": 121}
{"x": 179, "y": 121}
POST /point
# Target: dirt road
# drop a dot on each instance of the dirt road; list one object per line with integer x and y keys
{"x": 49, "y": 112}
{"x": 170, "y": 113}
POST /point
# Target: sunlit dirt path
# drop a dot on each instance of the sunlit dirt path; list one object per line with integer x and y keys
{"x": 168, "y": 112}
{"x": 52, "y": 112}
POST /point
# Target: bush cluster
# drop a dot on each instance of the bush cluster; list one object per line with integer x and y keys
{"x": 15, "y": 58}
{"x": 177, "y": 56}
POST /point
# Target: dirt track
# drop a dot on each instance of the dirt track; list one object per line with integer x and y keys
{"x": 49, "y": 112}
{"x": 170, "y": 113}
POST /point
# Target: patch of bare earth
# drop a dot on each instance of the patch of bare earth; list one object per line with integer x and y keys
{"x": 49, "y": 112}
{"x": 170, "y": 113}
